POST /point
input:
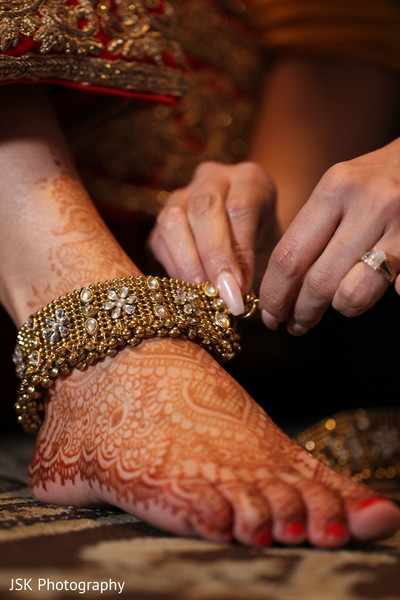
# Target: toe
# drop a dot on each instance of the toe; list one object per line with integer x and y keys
{"x": 208, "y": 512}
{"x": 252, "y": 523}
{"x": 372, "y": 517}
{"x": 326, "y": 516}
{"x": 287, "y": 510}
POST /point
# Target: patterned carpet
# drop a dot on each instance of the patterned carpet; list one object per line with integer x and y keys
{"x": 65, "y": 552}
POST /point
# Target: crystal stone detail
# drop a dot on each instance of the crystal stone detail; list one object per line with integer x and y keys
{"x": 120, "y": 302}
{"x": 152, "y": 283}
{"x": 91, "y": 326}
{"x": 374, "y": 258}
{"x": 34, "y": 357}
{"x": 160, "y": 311}
{"x": 86, "y": 295}
{"x": 18, "y": 360}
{"x": 222, "y": 320}
{"x": 210, "y": 290}
{"x": 57, "y": 327}
{"x": 89, "y": 310}
{"x": 218, "y": 303}
{"x": 180, "y": 296}
{"x": 378, "y": 261}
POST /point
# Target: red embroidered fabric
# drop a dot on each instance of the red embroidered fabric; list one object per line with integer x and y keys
{"x": 108, "y": 46}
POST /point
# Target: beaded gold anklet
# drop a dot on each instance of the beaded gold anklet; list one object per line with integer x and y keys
{"x": 85, "y": 325}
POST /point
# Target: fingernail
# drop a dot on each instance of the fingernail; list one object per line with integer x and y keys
{"x": 295, "y": 529}
{"x": 296, "y": 329}
{"x": 230, "y": 292}
{"x": 264, "y": 538}
{"x": 336, "y": 530}
{"x": 269, "y": 320}
{"x": 366, "y": 502}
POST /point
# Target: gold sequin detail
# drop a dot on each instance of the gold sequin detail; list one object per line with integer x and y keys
{"x": 71, "y": 49}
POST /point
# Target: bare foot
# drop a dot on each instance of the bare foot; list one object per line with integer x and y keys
{"x": 163, "y": 432}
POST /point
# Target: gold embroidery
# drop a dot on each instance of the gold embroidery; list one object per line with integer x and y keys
{"x": 211, "y": 121}
{"x": 138, "y": 35}
{"x": 17, "y": 17}
{"x": 141, "y": 77}
{"x": 61, "y": 30}
{"x": 79, "y": 32}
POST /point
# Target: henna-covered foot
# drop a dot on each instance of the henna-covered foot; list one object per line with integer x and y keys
{"x": 165, "y": 433}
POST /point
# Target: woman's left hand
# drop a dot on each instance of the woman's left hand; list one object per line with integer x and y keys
{"x": 354, "y": 208}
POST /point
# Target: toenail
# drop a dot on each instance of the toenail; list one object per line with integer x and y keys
{"x": 336, "y": 530}
{"x": 264, "y": 538}
{"x": 295, "y": 529}
{"x": 366, "y": 502}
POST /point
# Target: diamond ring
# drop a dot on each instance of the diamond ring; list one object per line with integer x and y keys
{"x": 379, "y": 261}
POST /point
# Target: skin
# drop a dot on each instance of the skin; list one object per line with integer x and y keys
{"x": 160, "y": 430}
{"x": 318, "y": 122}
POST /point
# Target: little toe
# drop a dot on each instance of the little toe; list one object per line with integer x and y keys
{"x": 372, "y": 517}
{"x": 326, "y": 516}
{"x": 252, "y": 519}
{"x": 287, "y": 510}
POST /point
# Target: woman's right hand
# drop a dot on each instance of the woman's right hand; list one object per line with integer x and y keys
{"x": 221, "y": 227}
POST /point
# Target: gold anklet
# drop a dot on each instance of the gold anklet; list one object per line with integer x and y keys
{"x": 83, "y": 326}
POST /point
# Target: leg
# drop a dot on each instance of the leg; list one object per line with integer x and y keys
{"x": 165, "y": 433}
{"x": 161, "y": 430}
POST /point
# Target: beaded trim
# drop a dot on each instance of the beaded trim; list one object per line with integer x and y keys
{"x": 85, "y": 325}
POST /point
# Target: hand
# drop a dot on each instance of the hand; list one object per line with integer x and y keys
{"x": 355, "y": 207}
{"x": 220, "y": 228}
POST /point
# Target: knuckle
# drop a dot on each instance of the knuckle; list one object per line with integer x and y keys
{"x": 169, "y": 217}
{"x": 286, "y": 261}
{"x": 240, "y": 207}
{"x": 321, "y": 285}
{"x": 251, "y": 169}
{"x": 339, "y": 179}
{"x": 351, "y": 300}
{"x": 202, "y": 204}
{"x": 204, "y": 168}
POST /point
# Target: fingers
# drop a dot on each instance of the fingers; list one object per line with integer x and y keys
{"x": 299, "y": 248}
{"x": 318, "y": 260}
{"x": 324, "y": 278}
{"x": 363, "y": 286}
{"x": 208, "y": 230}
{"x": 173, "y": 244}
{"x": 207, "y": 214}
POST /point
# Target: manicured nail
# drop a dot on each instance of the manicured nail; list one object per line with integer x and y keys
{"x": 264, "y": 538}
{"x": 295, "y": 529}
{"x": 230, "y": 292}
{"x": 366, "y": 502}
{"x": 336, "y": 530}
{"x": 296, "y": 329}
{"x": 269, "y": 320}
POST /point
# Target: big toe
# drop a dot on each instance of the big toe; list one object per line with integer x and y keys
{"x": 372, "y": 518}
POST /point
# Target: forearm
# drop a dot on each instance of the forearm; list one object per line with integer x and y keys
{"x": 52, "y": 238}
{"x": 315, "y": 113}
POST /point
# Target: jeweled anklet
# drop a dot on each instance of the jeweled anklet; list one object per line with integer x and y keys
{"x": 90, "y": 323}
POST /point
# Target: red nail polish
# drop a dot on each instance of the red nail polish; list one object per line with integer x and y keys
{"x": 369, "y": 501}
{"x": 295, "y": 529}
{"x": 264, "y": 538}
{"x": 336, "y": 530}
